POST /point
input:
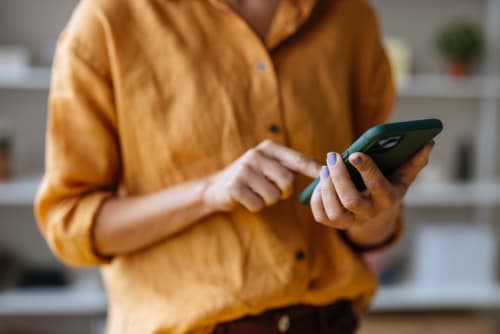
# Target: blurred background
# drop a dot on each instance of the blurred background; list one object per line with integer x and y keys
{"x": 443, "y": 275}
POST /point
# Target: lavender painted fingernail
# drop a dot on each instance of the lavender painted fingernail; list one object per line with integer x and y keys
{"x": 318, "y": 188}
{"x": 325, "y": 172}
{"x": 331, "y": 158}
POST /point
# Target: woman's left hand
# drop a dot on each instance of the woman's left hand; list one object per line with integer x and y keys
{"x": 337, "y": 203}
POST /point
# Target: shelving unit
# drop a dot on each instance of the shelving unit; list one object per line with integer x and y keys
{"x": 22, "y": 191}
{"x": 92, "y": 302}
{"x": 34, "y": 78}
{"x": 412, "y": 298}
{"x": 439, "y": 86}
{"x": 64, "y": 302}
{"x": 481, "y": 195}
{"x": 19, "y": 190}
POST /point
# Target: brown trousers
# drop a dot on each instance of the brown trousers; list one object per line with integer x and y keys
{"x": 337, "y": 318}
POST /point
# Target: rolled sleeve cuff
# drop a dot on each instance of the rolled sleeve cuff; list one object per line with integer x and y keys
{"x": 71, "y": 231}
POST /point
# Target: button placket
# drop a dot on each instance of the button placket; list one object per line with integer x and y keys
{"x": 271, "y": 113}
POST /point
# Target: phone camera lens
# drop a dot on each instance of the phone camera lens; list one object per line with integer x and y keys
{"x": 385, "y": 144}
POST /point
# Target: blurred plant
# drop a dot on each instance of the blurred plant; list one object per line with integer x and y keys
{"x": 4, "y": 144}
{"x": 461, "y": 43}
{"x": 5, "y": 151}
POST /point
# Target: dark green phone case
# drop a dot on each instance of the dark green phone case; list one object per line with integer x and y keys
{"x": 389, "y": 145}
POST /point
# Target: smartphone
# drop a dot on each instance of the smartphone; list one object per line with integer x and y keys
{"x": 389, "y": 145}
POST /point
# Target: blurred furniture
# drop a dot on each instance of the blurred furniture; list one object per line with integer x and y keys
{"x": 425, "y": 323}
{"x": 469, "y": 108}
{"x": 79, "y": 307}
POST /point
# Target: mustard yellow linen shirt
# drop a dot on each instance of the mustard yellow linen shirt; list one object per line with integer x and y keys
{"x": 147, "y": 94}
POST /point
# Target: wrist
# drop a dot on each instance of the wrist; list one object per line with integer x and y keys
{"x": 207, "y": 195}
{"x": 376, "y": 231}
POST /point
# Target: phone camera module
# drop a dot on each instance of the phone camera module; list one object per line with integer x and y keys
{"x": 385, "y": 144}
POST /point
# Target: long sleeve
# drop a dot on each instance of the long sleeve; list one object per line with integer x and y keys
{"x": 82, "y": 155}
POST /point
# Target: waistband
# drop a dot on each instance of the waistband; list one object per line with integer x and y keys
{"x": 336, "y": 318}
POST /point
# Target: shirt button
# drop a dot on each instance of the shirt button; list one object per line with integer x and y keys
{"x": 300, "y": 255}
{"x": 284, "y": 323}
{"x": 273, "y": 128}
{"x": 261, "y": 66}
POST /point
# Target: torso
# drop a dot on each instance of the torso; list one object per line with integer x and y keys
{"x": 194, "y": 90}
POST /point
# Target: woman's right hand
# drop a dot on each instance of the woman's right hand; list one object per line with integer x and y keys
{"x": 260, "y": 177}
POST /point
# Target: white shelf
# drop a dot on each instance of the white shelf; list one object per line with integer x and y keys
{"x": 439, "y": 86}
{"x": 22, "y": 191}
{"x": 87, "y": 302}
{"x": 453, "y": 195}
{"x": 412, "y": 298}
{"x": 34, "y": 78}
{"x": 19, "y": 190}
{"x": 53, "y": 302}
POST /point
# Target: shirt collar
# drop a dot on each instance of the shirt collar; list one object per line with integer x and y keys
{"x": 289, "y": 17}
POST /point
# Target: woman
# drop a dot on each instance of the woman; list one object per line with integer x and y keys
{"x": 178, "y": 130}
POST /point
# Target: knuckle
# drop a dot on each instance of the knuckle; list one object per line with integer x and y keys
{"x": 265, "y": 143}
{"x": 341, "y": 219}
{"x": 235, "y": 189}
{"x": 250, "y": 154}
{"x": 244, "y": 170}
{"x": 353, "y": 203}
{"x": 232, "y": 183}
{"x": 287, "y": 177}
{"x": 377, "y": 184}
{"x": 333, "y": 215}
{"x": 304, "y": 160}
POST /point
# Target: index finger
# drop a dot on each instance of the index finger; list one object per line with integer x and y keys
{"x": 291, "y": 159}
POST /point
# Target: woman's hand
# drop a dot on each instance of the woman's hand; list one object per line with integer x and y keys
{"x": 260, "y": 177}
{"x": 337, "y": 203}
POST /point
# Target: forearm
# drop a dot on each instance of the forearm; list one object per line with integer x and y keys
{"x": 375, "y": 232}
{"x": 125, "y": 225}
{"x": 262, "y": 175}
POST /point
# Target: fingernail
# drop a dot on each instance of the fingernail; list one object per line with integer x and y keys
{"x": 318, "y": 188}
{"x": 325, "y": 172}
{"x": 331, "y": 158}
{"x": 357, "y": 160}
